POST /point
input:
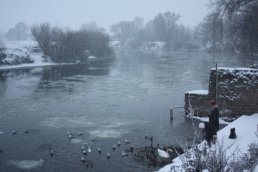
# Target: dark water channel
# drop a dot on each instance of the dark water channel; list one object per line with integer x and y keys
{"x": 127, "y": 100}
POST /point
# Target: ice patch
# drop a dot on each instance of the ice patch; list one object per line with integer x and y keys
{"x": 64, "y": 122}
{"x": 26, "y": 164}
{"x": 76, "y": 141}
{"x": 75, "y": 122}
{"x": 1, "y": 132}
{"x": 107, "y": 133}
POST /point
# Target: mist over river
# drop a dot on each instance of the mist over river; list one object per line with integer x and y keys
{"x": 126, "y": 100}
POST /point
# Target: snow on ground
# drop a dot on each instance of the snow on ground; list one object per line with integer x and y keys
{"x": 199, "y": 92}
{"x": 246, "y": 128}
{"x": 23, "y": 48}
{"x": 27, "y": 65}
{"x": 206, "y": 119}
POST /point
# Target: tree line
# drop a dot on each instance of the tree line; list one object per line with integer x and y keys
{"x": 163, "y": 28}
{"x": 69, "y": 45}
{"x": 231, "y": 25}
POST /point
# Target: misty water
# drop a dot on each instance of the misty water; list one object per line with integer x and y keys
{"x": 126, "y": 100}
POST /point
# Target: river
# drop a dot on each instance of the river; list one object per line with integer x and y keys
{"x": 129, "y": 99}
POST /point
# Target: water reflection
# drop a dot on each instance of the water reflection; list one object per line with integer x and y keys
{"x": 15, "y": 83}
{"x": 60, "y": 72}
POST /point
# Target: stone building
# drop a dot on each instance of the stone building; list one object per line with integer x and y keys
{"x": 237, "y": 93}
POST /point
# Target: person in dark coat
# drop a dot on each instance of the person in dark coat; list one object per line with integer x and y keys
{"x": 214, "y": 119}
{"x": 214, "y": 116}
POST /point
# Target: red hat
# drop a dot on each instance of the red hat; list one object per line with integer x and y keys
{"x": 212, "y": 102}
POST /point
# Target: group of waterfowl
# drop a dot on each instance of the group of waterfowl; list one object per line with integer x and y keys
{"x": 87, "y": 148}
{"x": 14, "y": 132}
{"x": 150, "y": 153}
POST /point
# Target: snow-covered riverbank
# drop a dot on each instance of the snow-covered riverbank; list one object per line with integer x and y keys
{"x": 246, "y": 128}
{"x": 18, "y": 49}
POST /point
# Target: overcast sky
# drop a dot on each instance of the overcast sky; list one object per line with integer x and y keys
{"x": 73, "y": 13}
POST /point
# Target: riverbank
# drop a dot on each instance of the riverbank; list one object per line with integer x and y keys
{"x": 22, "y": 54}
{"x": 246, "y": 131}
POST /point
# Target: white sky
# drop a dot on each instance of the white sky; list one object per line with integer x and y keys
{"x": 73, "y": 13}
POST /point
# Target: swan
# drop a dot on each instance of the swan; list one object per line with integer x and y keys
{"x": 119, "y": 143}
{"x": 108, "y": 155}
{"x": 127, "y": 141}
{"x": 89, "y": 146}
{"x": 164, "y": 154}
{"x": 79, "y": 134}
{"x": 84, "y": 152}
{"x": 201, "y": 125}
{"x": 99, "y": 149}
{"x": 124, "y": 153}
{"x": 83, "y": 159}
{"x": 89, "y": 149}
{"x": 70, "y": 135}
{"x": 114, "y": 147}
{"x": 51, "y": 153}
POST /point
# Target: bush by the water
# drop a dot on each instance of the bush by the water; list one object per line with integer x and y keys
{"x": 69, "y": 46}
{"x": 14, "y": 59}
{"x": 2, "y": 55}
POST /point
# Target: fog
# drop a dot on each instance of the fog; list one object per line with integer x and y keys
{"x": 72, "y": 14}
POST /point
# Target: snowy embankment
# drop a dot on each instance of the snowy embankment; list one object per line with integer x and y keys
{"x": 20, "y": 49}
{"x": 246, "y": 128}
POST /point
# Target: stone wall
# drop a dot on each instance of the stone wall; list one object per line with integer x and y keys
{"x": 237, "y": 92}
{"x": 196, "y": 102}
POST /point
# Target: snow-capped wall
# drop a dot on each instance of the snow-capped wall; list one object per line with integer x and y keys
{"x": 237, "y": 90}
{"x": 196, "y": 102}
{"x": 237, "y": 93}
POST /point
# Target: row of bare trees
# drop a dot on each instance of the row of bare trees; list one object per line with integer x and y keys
{"x": 68, "y": 45}
{"x": 163, "y": 27}
{"x": 231, "y": 25}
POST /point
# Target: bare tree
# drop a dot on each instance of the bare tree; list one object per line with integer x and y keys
{"x": 19, "y": 32}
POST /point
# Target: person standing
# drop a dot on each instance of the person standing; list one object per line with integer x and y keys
{"x": 214, "y": 116}
{"x": 214, "y": 119}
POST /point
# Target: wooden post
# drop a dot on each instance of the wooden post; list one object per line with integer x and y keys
{"x": 216, "y": 88}
{"x": 171, "y": 113}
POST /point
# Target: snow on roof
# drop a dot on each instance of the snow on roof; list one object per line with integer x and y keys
{"x": 246, "y": 131}
{"x": 238, "y": 69}
{"x": 200, "y": 92}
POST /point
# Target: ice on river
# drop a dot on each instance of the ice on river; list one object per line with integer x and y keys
{"x": 111, "y": 127}
{"x": 107, "y": 133}
{"x": 26, "y": 164}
